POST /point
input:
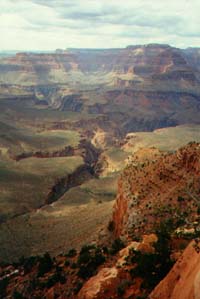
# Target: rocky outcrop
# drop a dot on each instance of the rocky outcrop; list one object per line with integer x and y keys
{"x": 153, "y": 190}
{"x": 183, "y": 281}
{"x": 103, "y": 284}
{"x": 109, "y": 281}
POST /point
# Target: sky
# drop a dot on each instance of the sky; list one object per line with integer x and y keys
{"x": 51, "y": 24}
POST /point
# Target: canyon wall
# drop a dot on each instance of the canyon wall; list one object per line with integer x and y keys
{"x": 150, "y": 191}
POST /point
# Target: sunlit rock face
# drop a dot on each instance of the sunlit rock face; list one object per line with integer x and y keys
{"x": 95, "y": 287}
{"x": 183, "y": 281}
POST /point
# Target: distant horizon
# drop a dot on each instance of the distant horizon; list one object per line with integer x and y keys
{"x": 91, "y": 48}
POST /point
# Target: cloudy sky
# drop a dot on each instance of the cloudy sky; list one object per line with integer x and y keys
{"x": 51, "y": 24}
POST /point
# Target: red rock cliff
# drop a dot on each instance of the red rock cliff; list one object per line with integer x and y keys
{"x": 163, "y": 186}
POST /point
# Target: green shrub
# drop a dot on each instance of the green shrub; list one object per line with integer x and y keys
{"x": 87, "y": 248}
{"x": 73, "y": 266}
{"x": 45, "y": 264}
{"x": 122, "y": 287}
{"x": 17, "y": 295}
{"x": 180, "y": 199}
{"x": 71, "y": 253}
{"x": 85, "y": 271}
{"x": 78, "y": 287}
{"x": 89, "y": 259}
{"x": 55, "y": 278}
{"x": 111, "y": 226}
{"x": 3, "y": 286}
{"x": 29, "y": 263}
{"x": 198, "y": 209}
{"x": 67, "y": 263}
{"x": 84, "y": 257}
{"x": 152, "y": 267}
{"x": 33, "y": 284}
{"x": 117, "y": 245}
{"x": 105, "y": 250}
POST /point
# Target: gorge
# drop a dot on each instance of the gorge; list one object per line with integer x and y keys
{"x": 99, "y": 162}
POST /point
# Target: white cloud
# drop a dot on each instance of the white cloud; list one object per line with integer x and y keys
{"x": 51, "y": 24}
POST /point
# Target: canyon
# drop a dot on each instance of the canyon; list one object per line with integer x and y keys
{"x": 98, "y": 147}
{"x": 131, "y": 268}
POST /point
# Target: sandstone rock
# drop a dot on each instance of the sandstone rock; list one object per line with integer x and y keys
{"x": 145, "y": 246}
{"x": 106, "y": 280}
{"x": 183, "y": 281}
{"x": 125, "y": 252}
{"x": 147, "y": 243}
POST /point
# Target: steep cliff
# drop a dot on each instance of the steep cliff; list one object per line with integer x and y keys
{"x": 150, "y": 190}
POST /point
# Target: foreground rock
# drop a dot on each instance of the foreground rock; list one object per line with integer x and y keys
{"x": 116, "y": 280}
{"x": 183, "y": 281}
{"x": 105, "y": 280}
